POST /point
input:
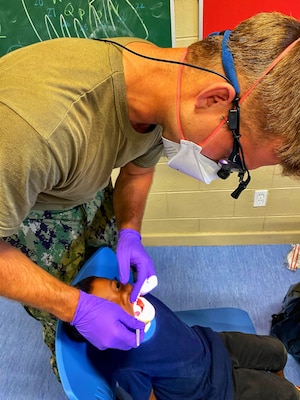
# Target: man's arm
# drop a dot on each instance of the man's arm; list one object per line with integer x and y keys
{"x": 24, "y": 281}
{"x": 101, "y": 322}
{"x": 130, "y": 195}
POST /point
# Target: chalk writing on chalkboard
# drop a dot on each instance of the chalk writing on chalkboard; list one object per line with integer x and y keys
{"x": 23, "y": 22}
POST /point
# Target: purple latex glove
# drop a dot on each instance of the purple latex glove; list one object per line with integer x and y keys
{"x": 130, "y": 251}
{"x": 106, "y": 324}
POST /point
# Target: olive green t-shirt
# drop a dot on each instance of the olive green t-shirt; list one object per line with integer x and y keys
{"x": 64, "y": 126}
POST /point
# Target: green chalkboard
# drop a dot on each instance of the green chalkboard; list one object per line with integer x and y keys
{"x": 23, "y": 22}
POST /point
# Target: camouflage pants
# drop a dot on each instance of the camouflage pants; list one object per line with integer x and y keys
{"x": 61, "y": 241}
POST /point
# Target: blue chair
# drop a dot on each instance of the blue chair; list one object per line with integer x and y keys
{"x": 83, "y": 376}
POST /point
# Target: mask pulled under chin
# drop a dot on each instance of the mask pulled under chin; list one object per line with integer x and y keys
{"x": 186, "y": 157}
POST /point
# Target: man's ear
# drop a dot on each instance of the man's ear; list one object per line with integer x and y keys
{"x": 217, "y": 93}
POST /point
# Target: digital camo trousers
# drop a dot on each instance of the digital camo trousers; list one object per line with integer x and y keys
{"x": 61, "y": 241}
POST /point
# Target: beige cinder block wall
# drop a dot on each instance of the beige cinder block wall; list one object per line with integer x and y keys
{"x": 183, "y": 211}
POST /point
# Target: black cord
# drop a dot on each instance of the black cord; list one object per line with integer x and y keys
{"x": 235, "y": 131}
{"x": 166, "y": 61}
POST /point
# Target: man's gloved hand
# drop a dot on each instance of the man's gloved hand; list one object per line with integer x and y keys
{"x": 106, "y": 324}
{"x": 130, "y": 251}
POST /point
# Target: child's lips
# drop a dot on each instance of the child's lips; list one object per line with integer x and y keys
{"x": 139, "y": 303}
{"x": 143, "y": 310}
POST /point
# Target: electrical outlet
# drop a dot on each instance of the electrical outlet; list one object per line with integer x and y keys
{"x": 260, "y": 198}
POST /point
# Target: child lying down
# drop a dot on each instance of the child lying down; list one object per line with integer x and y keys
{"x": 190, "y": 363}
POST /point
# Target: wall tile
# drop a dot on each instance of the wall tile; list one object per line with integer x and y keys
{"x": 280, "y": 181}
{"x": 283, "y": 223}
{"x": 283, "y": 201}
{"x": 199, "y": 204}
{"x": 232, "y": 224}
{"x": 179, "y": 226}
{"x": 167, "y": 179}
{"x": 186, "y": 18}
{"x": 156, "y": 206}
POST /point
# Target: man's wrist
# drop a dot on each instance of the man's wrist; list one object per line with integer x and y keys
{"x": 129, "y": 231}
{"x": 68, "y": 305}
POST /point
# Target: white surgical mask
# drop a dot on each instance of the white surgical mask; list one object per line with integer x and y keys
{"x": 187, "y": 158}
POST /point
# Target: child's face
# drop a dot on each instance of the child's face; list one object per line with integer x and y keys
{"x": 113, "y": 290}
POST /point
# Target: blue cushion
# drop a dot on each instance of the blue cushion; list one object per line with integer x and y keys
{"x": 81, "y": 375}
{"x": 219, "y": 319}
